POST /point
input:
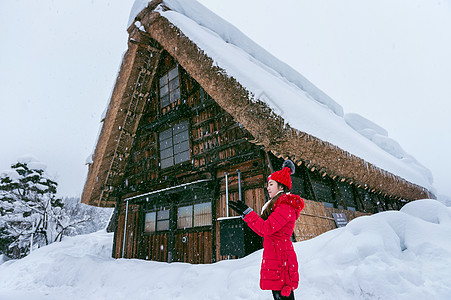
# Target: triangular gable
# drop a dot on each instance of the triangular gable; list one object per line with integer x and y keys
{"x": 270, "y": 121}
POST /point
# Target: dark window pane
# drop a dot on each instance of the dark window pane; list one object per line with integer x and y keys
{"x": 149, "y": 225}
{"x": 164, "y": 80}
{"x": 163, "y": 215}
{"x": 162, "y": 225}
{"x": 346, "y": 193}
{"x": 183, "y": 136}
{"x": 167, "y": 153}
{"x": 165, "y": 144}
{"x": 175, "y": 95}
{"x": 185, "y": 217}
{"x": 164, "y": 90}
{"x": 322, "y": 190}
{"x": 327, "y": 204}
{"x": 174, "y": 84}
{"x": 173, "y": 73}
{"x": 168, "y": 162}
{"x": 165, "y": 101}
{"x": 166, "y": 134}
{"x": 174, "y": 144}
{"x": 169, "y": 87}
{"x": 181, "y": 157}
{"x": 181, "y": 147}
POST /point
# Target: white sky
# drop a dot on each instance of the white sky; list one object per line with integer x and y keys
{"x": 386, "y": 60}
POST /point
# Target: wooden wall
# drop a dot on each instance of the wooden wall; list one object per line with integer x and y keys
{"x": 197, "y": 248}
{"x": 154, "y": 247}
{"x": 132, "y": 232}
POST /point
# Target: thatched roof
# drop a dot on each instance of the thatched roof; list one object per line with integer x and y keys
{"x": 262, "y": 119}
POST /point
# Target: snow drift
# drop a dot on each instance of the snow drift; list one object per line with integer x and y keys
{"x": 391, "y": 255}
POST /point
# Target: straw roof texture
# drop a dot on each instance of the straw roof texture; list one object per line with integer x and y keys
{"x": 268, "y": 129}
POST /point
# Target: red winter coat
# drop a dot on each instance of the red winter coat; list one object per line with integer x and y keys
{"x": 279, "y": 269}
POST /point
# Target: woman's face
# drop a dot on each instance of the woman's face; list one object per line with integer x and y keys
{"x": 273, "y": 188}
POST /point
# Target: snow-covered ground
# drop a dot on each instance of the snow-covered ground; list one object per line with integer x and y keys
{"x": 391, "y": 255}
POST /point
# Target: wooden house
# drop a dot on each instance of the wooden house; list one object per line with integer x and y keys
{"x": 182, "y": 136}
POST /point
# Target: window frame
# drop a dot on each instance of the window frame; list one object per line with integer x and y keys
{"x": 193, "y": 216}
{"x": 157, "y": 221}
{"x": 174, "y": 144}
{"x": 164, "y": 87}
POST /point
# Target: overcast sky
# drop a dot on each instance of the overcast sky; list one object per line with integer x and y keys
{"x": 389, "y": 61}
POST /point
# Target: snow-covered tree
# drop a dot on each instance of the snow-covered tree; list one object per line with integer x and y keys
{"x": 79, "y": 218}
{"x": 29, "y": 209}
{"x": 32, "y": 216}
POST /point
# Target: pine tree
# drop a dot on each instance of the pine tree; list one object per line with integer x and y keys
{"x": 29, "y": 209}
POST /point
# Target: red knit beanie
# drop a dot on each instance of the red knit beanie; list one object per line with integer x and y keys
{"x": 284, "y": 176}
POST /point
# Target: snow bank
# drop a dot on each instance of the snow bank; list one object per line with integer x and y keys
{"x": 3, "y": 258}
{"x": 391, "y": 255}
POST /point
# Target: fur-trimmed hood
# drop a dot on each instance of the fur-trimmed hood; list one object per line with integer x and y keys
{"x": 291, "y": 199}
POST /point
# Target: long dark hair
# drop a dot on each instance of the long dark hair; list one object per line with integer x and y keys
{"x": 285, "y": 188}
{"x": 268, "y": 209}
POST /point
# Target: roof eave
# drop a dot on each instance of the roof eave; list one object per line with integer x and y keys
{"x": 267, "y": 128}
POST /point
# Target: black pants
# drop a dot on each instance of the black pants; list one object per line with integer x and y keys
{"x": 277, "y": 295}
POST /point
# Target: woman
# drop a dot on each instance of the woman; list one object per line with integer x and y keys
{"x": 279, "y": 268}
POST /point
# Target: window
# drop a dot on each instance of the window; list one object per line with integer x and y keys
{"x": 346, "y": 193}
{"x": 149, "y": 225}
{"x": 163, "y": 220}
{"x": 194, "y": 215}
{"x": 202, "y": 214}
{"x": 170, "y": 87}
{"x": 185, "y": 217}
{"x": 321, "y": 187}
{"x": 174, "y": 145}
{"x": 156, "y": 221}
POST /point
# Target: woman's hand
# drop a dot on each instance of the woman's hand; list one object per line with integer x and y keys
{"x": 240, "y": 207}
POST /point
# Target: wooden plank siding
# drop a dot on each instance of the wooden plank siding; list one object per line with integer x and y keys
{"x": 196, "y": 249}
{"x": 154, "y": 247}
{"x": 132, "y": 232}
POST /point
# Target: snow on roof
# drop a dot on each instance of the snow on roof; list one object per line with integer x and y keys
{"x": 301, "y": 104}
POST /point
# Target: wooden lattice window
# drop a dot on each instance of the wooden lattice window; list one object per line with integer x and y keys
{"x": 202, "y": 214}
{"x": 169, "y": 87}
{"x": 157, "y": 221}
{"x": 196, "y": 215}
{"x": 174, "y": 145}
